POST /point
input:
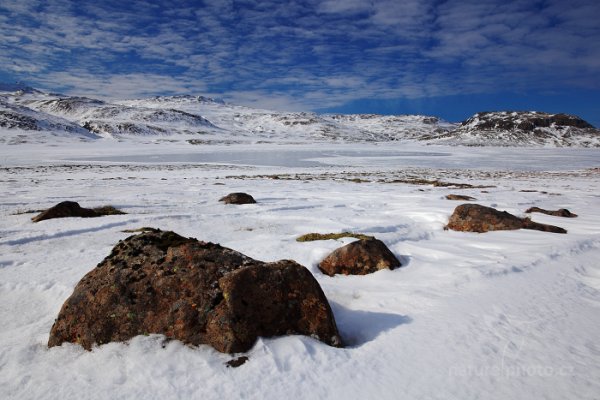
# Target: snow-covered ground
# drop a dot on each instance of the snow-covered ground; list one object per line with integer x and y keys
{"x": 501, "y": 315}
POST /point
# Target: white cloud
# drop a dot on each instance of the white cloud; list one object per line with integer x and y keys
{"x": 119, "y": 86}
{"x": 345, "y": 6}
{"x": 313, "y": 54}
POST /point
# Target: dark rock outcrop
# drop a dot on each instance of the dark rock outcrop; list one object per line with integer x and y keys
{"x": 67, "y": 209}
{"x": 478, "y": 218}
{"x": 460, "y": 197}
{"x": 525, "y": 121}
{"x": 561, "y": 212}
{"x": 238, "y": 198}
{"x": 193, "y": 291}
{"x": 522, "y": 128}
{"x": 359, "y": 258}
{"x": 14, "y": 120}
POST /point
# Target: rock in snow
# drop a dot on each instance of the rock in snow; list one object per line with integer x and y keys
{"x": 460, "y": 197}
{"x": 359, "y": 258}
{"x": 561, "y": 212}
{"x": 477, "y": 218}
{"x": 238, "y": 198}
{"x": 67, "y": 209}
{"x": 193, "y": 291}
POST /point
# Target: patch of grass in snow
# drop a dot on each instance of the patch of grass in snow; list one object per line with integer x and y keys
{"x": 310, "y": 237}
{"x": 108, "y": 210}
{"x": 142, "y": 229}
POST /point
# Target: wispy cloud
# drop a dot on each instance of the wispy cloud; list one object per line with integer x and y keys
{"x": 308, "y": 54}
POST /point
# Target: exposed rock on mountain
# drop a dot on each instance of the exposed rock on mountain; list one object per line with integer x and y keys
{"x": 523, "y": 128}
{"x": 196, "y": 292}
{"x": 359, "y": 258}
{"x": 67, "y": 106}
{"x": 477, "y": 218}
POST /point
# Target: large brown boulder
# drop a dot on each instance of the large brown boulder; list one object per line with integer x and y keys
{"x": 359, "y": 258}
{"x": 478, "y": 218}
{"x": 193, "y": 291}
{"x": 561, "y": 212}
{"x": 238, "y": 198}
{"x": 67, "y": 209}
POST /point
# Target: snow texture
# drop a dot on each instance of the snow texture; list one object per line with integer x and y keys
{"x": 501, "y": 315}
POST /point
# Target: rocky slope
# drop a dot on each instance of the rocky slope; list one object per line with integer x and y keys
{"x": 523, "y": 128}
{"x": 20, "y": 124}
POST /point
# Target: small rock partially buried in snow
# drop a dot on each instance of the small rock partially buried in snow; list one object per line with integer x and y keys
{"x": 478, "y": 218}
{"x": 460, "y": 197}
{"x": 561, "y": 212}
{"x": 238, "y": 198}
{"x": 359, "y": 258}
{"x": 195, "y": 292}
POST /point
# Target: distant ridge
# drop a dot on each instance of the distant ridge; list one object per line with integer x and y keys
{"x": 203, "y": 120}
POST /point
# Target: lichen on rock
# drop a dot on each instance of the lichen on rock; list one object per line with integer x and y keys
{"x": 193, "y": 291}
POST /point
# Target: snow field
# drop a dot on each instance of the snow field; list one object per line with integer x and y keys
{"x": 495, "y": 315}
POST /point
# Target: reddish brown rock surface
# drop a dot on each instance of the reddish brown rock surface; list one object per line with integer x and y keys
{"x": 561, "y": 212}
{"x": 477, "y": 218}
{"x": 196, "y": 292}
{"x": 67, "y": 209}
{"x": 238, "y": 198}
{"x": 359, "y": 258}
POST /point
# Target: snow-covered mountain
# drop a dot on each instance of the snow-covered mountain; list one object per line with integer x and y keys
{"x": 300, "y": 126}
{"x": 523, "y": 128}
{"x": 115, "y": 120}
{"x": 20, "y": 124}
{"x": 200, "y": 119}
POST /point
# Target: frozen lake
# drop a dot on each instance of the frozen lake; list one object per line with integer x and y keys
{"x": 512, "y": 159}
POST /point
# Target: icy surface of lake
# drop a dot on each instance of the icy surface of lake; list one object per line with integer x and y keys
{"x": 458, "y": 158}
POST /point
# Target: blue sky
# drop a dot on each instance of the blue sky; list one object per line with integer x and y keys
{"x": 446, "y": 58}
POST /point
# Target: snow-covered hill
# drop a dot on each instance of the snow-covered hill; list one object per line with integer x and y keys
{"x": 20, "y": 124}
{"x": 301, "y": 126}
{"x": 116, "y": 120}
{"x": 524, "y": 128}
{"x": 394, "y": 127}
{"x": 199, "y": 119}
